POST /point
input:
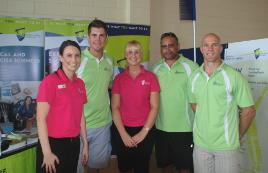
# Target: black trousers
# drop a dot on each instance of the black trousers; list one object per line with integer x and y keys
{"x": 136, "y": 158}
{"x": 66, "y": 149}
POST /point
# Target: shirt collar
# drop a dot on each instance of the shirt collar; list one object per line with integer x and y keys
{"x": 63, "y": 77}
{"x": 89, "y": 54}
{"x": 179, "y": 60}
{"x": 201, "y": 68}
{"x": 126, "y": 71}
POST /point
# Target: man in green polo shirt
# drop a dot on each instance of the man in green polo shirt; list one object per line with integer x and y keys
{"x": 174, "y": 143}
{"x": 96, "y": 70}
{"x": 224, "y": 108}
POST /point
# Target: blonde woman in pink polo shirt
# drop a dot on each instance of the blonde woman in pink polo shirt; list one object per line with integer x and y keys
{"x": 135, "y": 100}
{"x": 60, "y": 118}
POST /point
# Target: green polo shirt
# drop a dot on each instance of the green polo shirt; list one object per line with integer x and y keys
{"x": 175, "y": 114}
{"x": 97, "y": 76}
{"x": 216, "y": 123}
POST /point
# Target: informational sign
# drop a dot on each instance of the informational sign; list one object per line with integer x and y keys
{"x": 251, "y": 59}
{"x": 57, "y": 31}
{"x": 21, "y": 57}
{"x": 119, "y": 35}
{"x": 29, "y": 50}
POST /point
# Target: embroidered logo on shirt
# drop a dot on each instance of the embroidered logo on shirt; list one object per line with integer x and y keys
{"x": 217, "y": 83}
{"x": 61, "y": 86}
{"x": 143, "y": 82}
{"x": 79, "y": 91}
{"x": 178, "y": 72}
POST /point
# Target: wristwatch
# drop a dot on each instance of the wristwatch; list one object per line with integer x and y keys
{"x": 146, "y": 129}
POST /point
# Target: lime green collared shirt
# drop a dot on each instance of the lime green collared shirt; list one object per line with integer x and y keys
{"x": 175, "y": 114}
{"x": 97, "y": 76}
{"x": 216, "y": 123}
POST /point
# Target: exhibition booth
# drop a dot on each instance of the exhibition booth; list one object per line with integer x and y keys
{"x": 29, "y": 51}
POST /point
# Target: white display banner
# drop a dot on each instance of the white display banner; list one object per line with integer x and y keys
{"x": 251, "y": 59}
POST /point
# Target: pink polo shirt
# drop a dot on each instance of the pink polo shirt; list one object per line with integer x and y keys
{"x": 135, "y": 96}
{"x": 66, "y": 99}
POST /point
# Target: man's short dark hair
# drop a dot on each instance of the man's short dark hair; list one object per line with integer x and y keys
{"x": 96, "y": 23}
{"x": 169, "y": 34}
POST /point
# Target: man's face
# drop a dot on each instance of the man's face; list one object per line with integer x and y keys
{"x": 211, "y": 48}
{"x": 97, "y": 39}
{"x": 169, "y": 48}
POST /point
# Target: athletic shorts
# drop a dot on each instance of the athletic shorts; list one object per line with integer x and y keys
{"x": 136, "y": 158}
{"x": 174, "y": 148}
{"x": 99, "y": 144}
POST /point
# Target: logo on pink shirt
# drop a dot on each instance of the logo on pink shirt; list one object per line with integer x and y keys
{"x": 80, "y": 91}
{"x": 144, "y": 82}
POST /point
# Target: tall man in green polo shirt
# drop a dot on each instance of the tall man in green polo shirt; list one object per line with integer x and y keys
{"x": 224, "y": 109}
{"x": 174, "y": 143}
{"x": 96, "y": 70}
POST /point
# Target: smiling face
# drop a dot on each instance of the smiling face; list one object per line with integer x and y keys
{"x": 133, "y": 53}
{"x": 97, "y": 39}
{"x": 70, "y": 59}
{"x": 211, "y": 48}
{"x": 169, "y": 48}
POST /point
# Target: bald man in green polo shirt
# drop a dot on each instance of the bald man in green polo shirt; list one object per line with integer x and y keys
{"x": 224, "y": 108}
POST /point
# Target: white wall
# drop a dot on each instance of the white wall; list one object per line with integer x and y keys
{"x": 233, "y": 20}
{"x": 121, "y": 11}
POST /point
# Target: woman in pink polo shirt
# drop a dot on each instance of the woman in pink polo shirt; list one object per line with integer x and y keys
{"x": 60, "y": 118}
{"x": 135, "y": 100}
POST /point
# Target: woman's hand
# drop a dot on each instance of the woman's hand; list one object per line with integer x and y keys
{"x": 84, "y": 154}
{"x": 139, "y": 137}
{"x": 49, "y": 162}
{"x": 128, "y": 141}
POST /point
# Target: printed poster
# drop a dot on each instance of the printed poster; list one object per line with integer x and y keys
{"x": 57, "y": 31}
{"x": 251, "y": 59}
{"x": 21, "y": 58}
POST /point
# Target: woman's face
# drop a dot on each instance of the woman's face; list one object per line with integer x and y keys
{"x": 70, "y": 59}
{"x": 28, "y": 101}
{"x": 133, "y": 55}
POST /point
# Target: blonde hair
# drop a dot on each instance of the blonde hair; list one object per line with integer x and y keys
{"x": 134, "y": 43}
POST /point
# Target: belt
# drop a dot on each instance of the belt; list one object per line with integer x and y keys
{"x": 69, "y": 139}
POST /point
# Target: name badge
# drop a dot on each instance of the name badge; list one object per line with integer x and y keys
{"x": 61, "y": 86}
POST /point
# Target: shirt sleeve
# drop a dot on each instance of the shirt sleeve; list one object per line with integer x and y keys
{"x": 155, "y": 87}
{"x": 190, "y": 93}
{"x": 84, "y": 93}
{"x": 46, "y": 91}
{"x": 116, "y": 85}
{"x": 243, "y": 94}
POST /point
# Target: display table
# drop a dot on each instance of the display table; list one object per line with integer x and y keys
{"x": 19, "y": 157}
